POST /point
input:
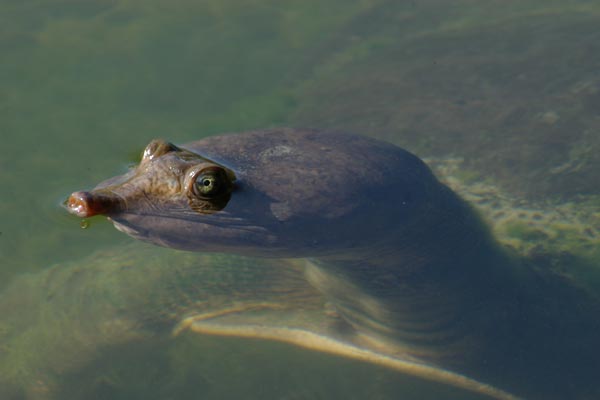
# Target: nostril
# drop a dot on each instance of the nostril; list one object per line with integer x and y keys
{"x": 79, "y": 204}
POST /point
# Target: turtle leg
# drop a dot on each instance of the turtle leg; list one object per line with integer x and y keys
{"x": 318, "y": 332}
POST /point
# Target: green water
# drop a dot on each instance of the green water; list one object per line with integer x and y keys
{"x": 511, "y": 87}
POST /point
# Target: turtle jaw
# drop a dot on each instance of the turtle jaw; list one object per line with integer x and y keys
{"x": 216, "y": 233}
{"x": 135, "y": 233}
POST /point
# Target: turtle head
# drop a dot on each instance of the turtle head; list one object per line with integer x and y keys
{"x": 169, "y": 192}
{"x": 167, "y": 177}
{"x": 282, "y": 193}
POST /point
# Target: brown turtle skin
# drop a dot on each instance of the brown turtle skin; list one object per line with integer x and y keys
{"x": 399, "y": 255}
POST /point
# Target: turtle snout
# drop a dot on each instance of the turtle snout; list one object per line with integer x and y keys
{"x": 88, "y": 204}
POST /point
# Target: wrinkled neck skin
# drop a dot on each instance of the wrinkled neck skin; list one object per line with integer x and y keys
{"x": 437, "y": 288}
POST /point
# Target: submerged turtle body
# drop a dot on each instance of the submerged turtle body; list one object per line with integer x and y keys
{"x": 408, "y": 266}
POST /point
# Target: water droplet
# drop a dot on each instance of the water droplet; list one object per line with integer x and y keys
{"x": 84, "y": 224}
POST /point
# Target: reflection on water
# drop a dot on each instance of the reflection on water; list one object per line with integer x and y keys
{"x": 509, "y": 93}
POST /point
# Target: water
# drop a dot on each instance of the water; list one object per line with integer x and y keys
{"x": 508, "y": 91}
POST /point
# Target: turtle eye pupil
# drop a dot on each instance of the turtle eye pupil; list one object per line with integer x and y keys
{"x": 207, "y": 185}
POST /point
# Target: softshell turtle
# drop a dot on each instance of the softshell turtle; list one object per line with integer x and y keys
{"x": 414, "y": 279}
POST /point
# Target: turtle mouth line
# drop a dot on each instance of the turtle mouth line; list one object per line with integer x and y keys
{"x": 122, "y": 222}
{"x": 241, "y": 237}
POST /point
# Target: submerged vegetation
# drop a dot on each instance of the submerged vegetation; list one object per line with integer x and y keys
{"x": 509, "y": 87}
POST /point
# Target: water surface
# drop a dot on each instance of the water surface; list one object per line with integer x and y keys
{"x": 511, "y": 89}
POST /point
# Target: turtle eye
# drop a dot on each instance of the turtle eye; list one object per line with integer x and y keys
{"x": 211, "y": 182}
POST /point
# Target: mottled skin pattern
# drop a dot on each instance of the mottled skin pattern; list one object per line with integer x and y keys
{"x": 402, "y": 258}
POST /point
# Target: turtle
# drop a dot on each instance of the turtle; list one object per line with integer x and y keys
{"x": 411, "y": 275}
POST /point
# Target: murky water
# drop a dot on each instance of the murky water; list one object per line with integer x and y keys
{"x": 499, "y": 93}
